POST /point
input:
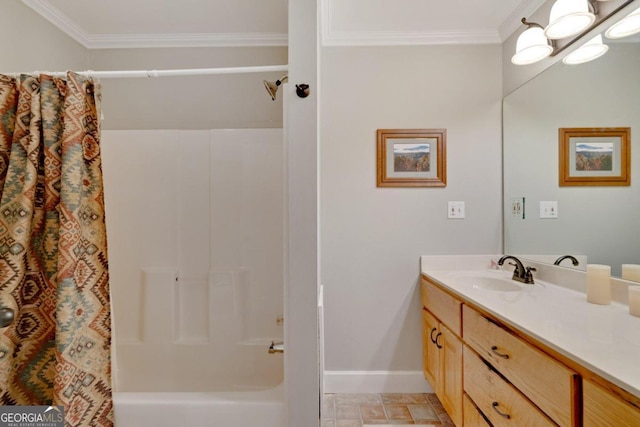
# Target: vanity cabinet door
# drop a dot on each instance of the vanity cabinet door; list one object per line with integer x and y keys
{"x": 442, "y": 348}
{"x": 430, "y": 353}
{"x": 603, "y": 409}
{"x": 442, "y": 361}
{"x": 450, "y": 392}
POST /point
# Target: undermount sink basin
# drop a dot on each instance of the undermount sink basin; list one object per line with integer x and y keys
{"x": 496, "y": 284}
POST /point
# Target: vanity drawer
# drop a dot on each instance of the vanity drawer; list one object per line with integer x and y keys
{"x": 445, "y": 307}
{"x": 500, "y": 402}
{"x": 603, "y": 409}
{"x": 472, "y": 416}
{"x": 550, "y": 385}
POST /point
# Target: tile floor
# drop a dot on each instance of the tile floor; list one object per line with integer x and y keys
{"x": 396, "y": 409}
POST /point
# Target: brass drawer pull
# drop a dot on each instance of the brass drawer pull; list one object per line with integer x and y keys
{"x": 502, "y": 414}
{"x": 438, "y": 336}
{"x": 497, "y": 353}
{"x": 431, "y": 335}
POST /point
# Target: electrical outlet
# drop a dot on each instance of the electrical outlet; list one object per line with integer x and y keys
{"x": 455, "y": 210}
{"x": 549, "y": 209}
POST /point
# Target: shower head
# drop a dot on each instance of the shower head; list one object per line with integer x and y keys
{"x": 272, "y": 87}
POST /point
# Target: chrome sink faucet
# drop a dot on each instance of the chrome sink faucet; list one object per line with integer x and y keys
{"x": 520, "y": 273}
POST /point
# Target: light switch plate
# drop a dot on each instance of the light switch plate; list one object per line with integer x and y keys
{"x": 548, "y": 209}
{"x": 517, "y": 208}
{"x": 455, "y": 210}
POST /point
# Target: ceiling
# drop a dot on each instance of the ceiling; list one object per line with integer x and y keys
{"x": 195, "y": 23}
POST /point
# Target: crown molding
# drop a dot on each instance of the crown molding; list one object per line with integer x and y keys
{"x": 399, "y": 38}
{"x": 380, "y": 38}
{"x": 124, "y": 41}
{"x": 119, "y": 41}
{"x": 329, "y": 37}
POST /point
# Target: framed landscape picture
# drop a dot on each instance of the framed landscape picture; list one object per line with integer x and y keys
{"x": 411, "y": 157}
{"x": 594, "y": 156}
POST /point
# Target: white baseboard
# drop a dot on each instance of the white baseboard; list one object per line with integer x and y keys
{"x": 375, "y": 382}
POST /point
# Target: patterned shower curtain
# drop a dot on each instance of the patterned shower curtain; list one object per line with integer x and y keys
{"x": 53, "y": 249}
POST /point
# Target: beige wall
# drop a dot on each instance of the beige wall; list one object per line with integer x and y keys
{"x": 30, "y": 43}
{"x": 372, "y": 238}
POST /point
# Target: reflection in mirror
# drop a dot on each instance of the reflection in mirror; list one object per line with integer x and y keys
{"x": 600, "y": 224}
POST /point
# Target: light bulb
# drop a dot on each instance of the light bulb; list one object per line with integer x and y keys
{"x": 568, "y": 18}
{"x": 589, "y": 51}
{"x": 627, "y": 26}
{"x": 532, "y": 46}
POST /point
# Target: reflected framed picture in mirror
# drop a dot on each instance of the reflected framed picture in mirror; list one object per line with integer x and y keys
{"x": 411, "y": 157}
{"x": 595, "y": 156}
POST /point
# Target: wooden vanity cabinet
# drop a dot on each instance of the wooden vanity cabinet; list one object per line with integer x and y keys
{"x": 603, "y": 409}
{"x": 509, "y": 378}
{"x": 442, "y": 348}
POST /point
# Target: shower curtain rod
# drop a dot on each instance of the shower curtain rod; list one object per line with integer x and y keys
{"x": 171, "y": 73}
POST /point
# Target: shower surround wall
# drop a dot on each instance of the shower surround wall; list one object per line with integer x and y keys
{"x": 195, "y": 225}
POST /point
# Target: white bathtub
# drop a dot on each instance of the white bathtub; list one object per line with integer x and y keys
{"x": 216, "y": 409}
{"x": 184, "y": 385}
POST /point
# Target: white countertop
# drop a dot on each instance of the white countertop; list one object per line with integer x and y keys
{"x": 603, "y": 338}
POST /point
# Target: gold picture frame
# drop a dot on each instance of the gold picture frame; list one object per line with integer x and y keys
{"x": 595, "y": 156}
{"x": 411, "y": 157}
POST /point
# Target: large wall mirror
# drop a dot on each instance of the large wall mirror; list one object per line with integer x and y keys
{"x": 599, "y": 223}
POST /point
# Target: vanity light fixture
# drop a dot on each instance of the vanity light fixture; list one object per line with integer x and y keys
{"x": 568, "y": 18}
{"x": 589, "y": 51}
{"x": 627, "y": 26}
{"x": 532, "y": 46}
